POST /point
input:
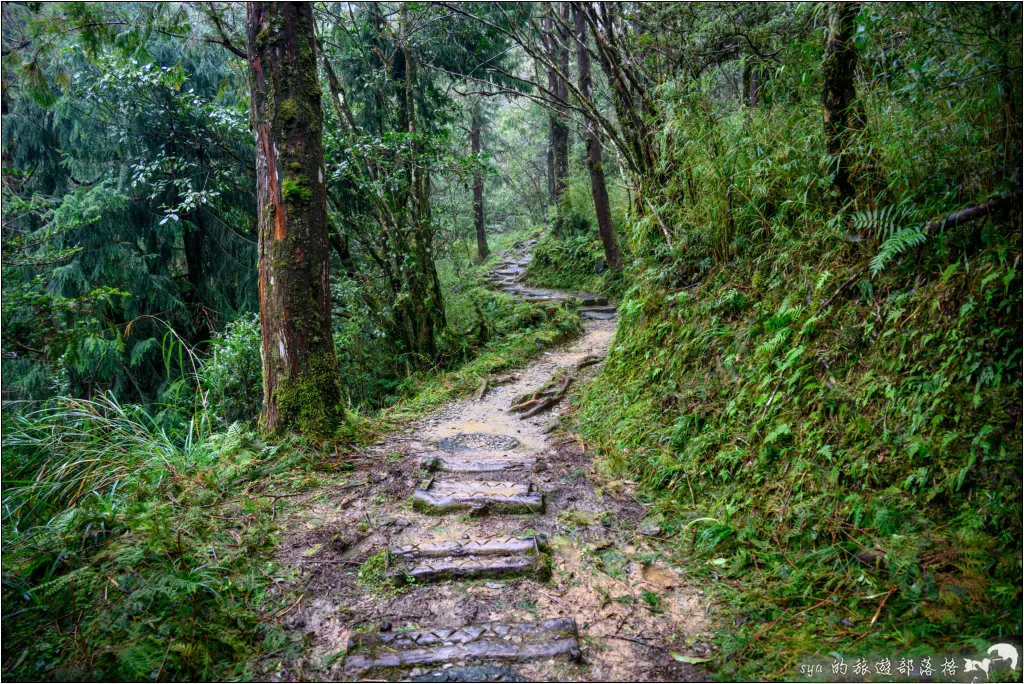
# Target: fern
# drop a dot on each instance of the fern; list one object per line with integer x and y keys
{"x": 899, "y": 242}
{"x": 883, "y": 222}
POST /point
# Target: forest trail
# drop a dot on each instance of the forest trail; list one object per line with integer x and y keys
{"x": 521, "y": 562}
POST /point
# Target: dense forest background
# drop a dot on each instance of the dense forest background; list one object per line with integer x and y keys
{"x": 809, "y": 213}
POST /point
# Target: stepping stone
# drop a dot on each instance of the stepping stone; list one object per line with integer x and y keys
{"x": 479, "y": 441}
{"x": 496, "y": 545}
{"x": 480, "y": 463}
{"x": 484, "y": 643}
{"x": 469, "y": 558}
{"x": 498, "y": 497}
{"x": 465, "y": 568}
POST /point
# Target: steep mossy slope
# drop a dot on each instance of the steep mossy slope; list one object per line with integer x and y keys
{"x": 820, "y": 440}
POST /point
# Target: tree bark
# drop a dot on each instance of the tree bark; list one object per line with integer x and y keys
{"x": 194, "y": 241}
{"x": 478, "y": 186}
{"x": 301, "y": 388}
{"x": 595, "y": 163}
{"x": 839, "y": 94}
{"x": 558, "y": 116}
{"x": 421, "y": 314}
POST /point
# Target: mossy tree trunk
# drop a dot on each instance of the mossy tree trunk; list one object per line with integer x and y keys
{"x": 420, "y": 307}
{"x": 839, "y": 94}
{"x": 301, "y": 388}
{"x": 478, "y": 186}
{"x": 558, "y": 129}
{"x": 595, "y": 162}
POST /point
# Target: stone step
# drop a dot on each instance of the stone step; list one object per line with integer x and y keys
{"x": 464, "y": 568}
{"x": 497, "y": 497}
{"x": 591, "y": 300}
{"x": 490, "y": 642}
{"x": 599, "y": 309}
{"x": 480, "y": 463}
{"x": 597, "y": 315}
{"x": 538, "y": 296}
{"x": 478, "y": 441}
{"x": 483, "y": 557}
{"x": 477, "y": 546}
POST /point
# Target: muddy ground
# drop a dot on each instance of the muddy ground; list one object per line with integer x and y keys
{"x": 632, "y": 611}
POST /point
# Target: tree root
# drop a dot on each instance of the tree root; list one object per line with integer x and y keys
{"x": 542, "y": 399}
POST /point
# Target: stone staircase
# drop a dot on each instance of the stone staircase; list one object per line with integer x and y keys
{"x": 475, "y": 474}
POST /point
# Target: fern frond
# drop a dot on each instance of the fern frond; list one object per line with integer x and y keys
{"x": 898, "y": 243}
{"x": 883, "y": 222}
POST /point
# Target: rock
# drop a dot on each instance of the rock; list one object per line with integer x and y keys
{"x": 650, "y": 530}
{"x": 543, "y": 640}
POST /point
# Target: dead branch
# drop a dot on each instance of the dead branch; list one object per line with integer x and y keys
{"x": 972, "y": 213}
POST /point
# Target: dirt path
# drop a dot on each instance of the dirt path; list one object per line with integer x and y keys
{"x": 534, "y": 569}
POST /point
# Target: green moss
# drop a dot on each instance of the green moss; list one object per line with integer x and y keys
{"x": 311, "y": 402}
{"x": 296, "y": 189}
{"x": 287, "y": 111}
{"x": 568, "y": 260}
{"x": 373, "y": 578}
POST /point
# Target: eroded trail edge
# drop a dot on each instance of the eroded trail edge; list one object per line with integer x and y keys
{"x": 511, "y": 558}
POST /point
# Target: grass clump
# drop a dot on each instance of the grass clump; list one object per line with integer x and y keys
{"x": 568, "y": 260}
{"x": 132, "y": 554}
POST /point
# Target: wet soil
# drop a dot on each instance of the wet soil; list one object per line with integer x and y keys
{"x": 631, "y": 611}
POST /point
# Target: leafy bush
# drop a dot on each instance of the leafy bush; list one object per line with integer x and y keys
{"x": 233, "y": 375}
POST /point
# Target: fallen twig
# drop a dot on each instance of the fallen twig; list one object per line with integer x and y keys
{"x": 483, "y": 389}
{"x": 634, "y": 640}
{"x": 880, "y": 605}
{"x": 542, "y": 406}
{"x": 842, "y": 287}
{"x": 283, "y": 612}
{"x": 761, "y": 634}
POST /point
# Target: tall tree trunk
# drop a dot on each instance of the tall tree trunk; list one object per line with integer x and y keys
{"x": 598, "y": 186}
{"x": 839, "y": 94}
{"x": 301, "y": 389}
{"x": 194, "y": 240}
{"x": 550, "y": 157}
{"x": 558, "y": 116}
{"x": 478, "y": 186}
{"x": 562, "y": 146}
{"x": 422, "y": 311}
{"x": 756, "y": 84}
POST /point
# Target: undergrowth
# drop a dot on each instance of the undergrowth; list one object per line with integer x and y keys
{"x": 570, "y": 255}
{"x": 129, "y": 555}
{"x": 132, "y": 551}
{"x": 835, "y": 443}
{"x": 822, "y": 404}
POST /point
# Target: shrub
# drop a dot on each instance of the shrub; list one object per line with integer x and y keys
{"x": 233, "y": 375}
